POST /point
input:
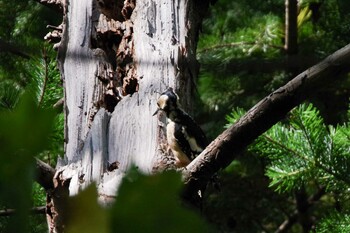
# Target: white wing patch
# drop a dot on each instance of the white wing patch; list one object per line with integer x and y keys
{"x": 192, "y": 141}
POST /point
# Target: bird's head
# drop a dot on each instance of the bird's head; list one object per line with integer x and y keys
{"x": 167, "y": 102}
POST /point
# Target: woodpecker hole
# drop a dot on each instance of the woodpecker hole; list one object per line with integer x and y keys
{"x": 113, "y": 34}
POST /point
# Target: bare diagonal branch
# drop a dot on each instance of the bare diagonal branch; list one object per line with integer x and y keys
{"x": 227, "y": 146}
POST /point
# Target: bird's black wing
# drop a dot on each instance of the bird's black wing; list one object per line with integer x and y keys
{"x": 193, "y": 130}
{"x": 182, "y": 141}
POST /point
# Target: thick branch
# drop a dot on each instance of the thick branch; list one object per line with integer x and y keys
{"x": 7, "y": 47}
{"x": 227, "y": 146}
{"x": 56, "y": 5}
{"x": 44, "y": 175}
{"x": 34, "y": 210}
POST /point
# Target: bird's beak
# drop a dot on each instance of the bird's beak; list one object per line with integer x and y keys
{"x": 156, "y": 111}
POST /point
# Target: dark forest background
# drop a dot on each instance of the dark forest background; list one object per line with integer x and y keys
{"x": 294, "y": 178}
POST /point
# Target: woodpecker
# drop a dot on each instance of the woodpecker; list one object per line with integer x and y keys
{"x": 185, "y": 138}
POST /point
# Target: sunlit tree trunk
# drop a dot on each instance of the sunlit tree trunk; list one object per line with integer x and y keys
{"x": 115, "y": 57}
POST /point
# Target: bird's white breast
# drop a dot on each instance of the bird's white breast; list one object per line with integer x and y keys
{"x": 181, "y": 158}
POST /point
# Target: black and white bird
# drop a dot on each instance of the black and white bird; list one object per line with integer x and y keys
{"x": 185, "y": 138}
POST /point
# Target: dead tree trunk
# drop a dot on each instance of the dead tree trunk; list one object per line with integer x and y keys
{"x": 115, "y": 57}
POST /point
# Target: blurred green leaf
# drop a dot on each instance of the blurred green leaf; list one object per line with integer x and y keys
{"x": 143, "y": 204}
{"x": 23, "y": 134}
{"x": 25, "y": 129}
{"x": 85, "y": 214}
{"x": 152, "y": 204}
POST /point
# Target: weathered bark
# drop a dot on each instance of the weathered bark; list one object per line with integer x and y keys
{"x": 273, "y": 108}
{"x": 57, "y": 193}
{"x": 56, "y": 203}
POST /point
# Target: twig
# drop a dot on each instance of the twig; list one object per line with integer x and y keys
{"x": 59, "y": 103}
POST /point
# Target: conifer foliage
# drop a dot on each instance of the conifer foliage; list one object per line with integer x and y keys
{"x": 305, "y": 150}
{"x": 303, "y": 153}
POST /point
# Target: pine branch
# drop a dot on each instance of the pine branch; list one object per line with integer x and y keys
{"x": 291, "y": 153}
{"x": 307, "y": 136}
{"x": 285, "y": 148}
{"x": 273, "y": 108}
{"x": 308, "y": 131}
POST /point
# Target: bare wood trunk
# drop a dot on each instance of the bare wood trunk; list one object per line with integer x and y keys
{"x": 115, "y": 58}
